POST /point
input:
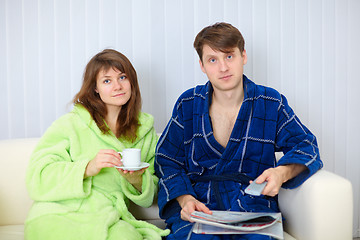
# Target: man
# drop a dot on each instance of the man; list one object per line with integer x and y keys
{"x": 224, "y": 134}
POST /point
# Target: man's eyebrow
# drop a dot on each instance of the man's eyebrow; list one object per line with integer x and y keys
{"x": 210, "y": 56}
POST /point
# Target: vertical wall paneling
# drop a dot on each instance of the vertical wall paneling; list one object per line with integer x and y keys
{"x": 353, "y": 113}
{"x": 47, "y": 86}
{"x": 259, "y": 56}
{"x": 62, "y": 50}
{"x": 301, "y": 60}
{"x": 341, "y": 76}
{"x": 92, "y": 28}
{"x": 231, "y": 13}
{"x": 216, "y": 10}
{"x": 315, "y": 67}
{"x": 173, "y": 53}
{"x": 273, "y": 44}
{"x": 307, "y": 49}
{"x": 31, "y": 68}
{"x": 245, "y": 25}
{"x": 4, "y": 103}
{"x": 141, "y": 48}
{"x": 201, "y": 19}
{"x": 15, "y": 69}
{"x": 124, "y": 27}
{"x": 157, "y": 63}
{"x": 287, "y": 50}
{"x": 329, "y": 83}
{"x": 189, "y": 59}
{"x": 77, "y": 49}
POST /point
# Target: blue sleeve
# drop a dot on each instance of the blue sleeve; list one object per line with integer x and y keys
{"x": 170, "y": 163}
{"x": 298, "y": 144}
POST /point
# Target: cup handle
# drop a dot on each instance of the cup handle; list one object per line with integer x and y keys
{"x": 121, "y": 156}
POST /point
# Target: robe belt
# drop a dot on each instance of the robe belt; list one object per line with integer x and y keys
{"x": 235, "y": 177}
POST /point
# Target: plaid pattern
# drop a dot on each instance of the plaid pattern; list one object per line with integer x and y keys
{"x": 265, "y": 124}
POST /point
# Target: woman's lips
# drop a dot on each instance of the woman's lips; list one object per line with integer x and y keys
{"x": 119, "y": 95}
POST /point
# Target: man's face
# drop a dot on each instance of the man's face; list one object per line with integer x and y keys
{"x": 224, "y": 70}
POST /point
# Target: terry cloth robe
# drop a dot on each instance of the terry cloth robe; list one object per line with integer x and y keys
{"x": 67, "y": 206}
{"x": 187, "y": 151}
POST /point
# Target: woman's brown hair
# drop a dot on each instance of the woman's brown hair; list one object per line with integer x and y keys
{"x": 127, "y": 122}
{"x": 221, "y": 37}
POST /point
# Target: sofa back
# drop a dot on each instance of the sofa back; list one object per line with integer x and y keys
{"x": 14, "y": 199}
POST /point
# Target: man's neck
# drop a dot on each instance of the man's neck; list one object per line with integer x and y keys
{"x": 228, "y": 99}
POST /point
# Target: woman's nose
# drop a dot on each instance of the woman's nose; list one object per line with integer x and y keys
{"x": 118, "y": 85}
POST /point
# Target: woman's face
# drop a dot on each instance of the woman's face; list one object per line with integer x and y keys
{"x": 114, "y": 88}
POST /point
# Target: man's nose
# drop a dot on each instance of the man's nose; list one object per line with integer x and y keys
{"x": 223, "y": 66}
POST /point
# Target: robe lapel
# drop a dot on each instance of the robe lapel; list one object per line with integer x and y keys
{"x": 232, "y": 156}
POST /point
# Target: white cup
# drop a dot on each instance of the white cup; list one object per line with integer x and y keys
{"x": 131, "y": 157}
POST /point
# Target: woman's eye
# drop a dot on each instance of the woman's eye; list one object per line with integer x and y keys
{"x": 123, "y": 77}
{"x": 106, "y": 81}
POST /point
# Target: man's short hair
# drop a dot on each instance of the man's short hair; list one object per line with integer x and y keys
{"x": 220, "y": 37}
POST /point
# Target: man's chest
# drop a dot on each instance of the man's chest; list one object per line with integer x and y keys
{"x": 222, "y": 125}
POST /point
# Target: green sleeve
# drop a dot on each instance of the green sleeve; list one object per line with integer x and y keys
{"x": 51, "y": 174}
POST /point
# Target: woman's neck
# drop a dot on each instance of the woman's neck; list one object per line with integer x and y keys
{"x": 111, "y": 119}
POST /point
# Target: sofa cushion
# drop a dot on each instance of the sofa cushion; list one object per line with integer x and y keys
{"x": 12, "y": 232}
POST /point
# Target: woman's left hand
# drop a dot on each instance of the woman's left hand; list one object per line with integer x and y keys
{"x": 133, "y": 177}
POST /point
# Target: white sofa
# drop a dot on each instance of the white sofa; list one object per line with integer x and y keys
{"x": 321, "y": 209}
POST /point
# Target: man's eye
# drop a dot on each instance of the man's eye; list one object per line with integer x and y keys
{"x": 212, "y": 60}
{"x": 229, "y": 57}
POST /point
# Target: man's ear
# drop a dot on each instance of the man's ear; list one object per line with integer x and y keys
{"x": 244, "y": 55}
{"x": 201, "y": 66}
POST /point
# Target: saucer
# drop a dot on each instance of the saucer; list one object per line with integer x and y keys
{"x": 142, "y": 165}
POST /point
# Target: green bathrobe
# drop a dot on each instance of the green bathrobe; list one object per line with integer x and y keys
{"x": 67, "y": 206}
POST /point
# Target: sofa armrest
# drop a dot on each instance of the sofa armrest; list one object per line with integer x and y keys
{"x": 321, "y": 208}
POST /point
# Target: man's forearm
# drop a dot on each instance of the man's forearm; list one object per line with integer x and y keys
{"x": 183, "y": 199}
{"x": 290, "y": 171}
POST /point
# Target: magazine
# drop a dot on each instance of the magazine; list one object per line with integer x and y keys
{"x": 229, "y": 222}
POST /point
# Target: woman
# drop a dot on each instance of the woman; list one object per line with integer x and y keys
{"x": 78, "y": 192}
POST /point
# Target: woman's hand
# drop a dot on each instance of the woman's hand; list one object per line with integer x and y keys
{"x": 103, "y": 159}
{"x": 133, "y": 177}
{"x": 190, "y": 204}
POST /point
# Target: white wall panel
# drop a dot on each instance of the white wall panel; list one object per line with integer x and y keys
{"x": 353, "y": 113}
{"x": 15, "y": 73}
{"x": 308, "y": 50}
{"x": 329, "y": 82}
{"x": 4, "y": 108}
{"x": 301, "y": 60}
{"x": 30, "y": 43}
{"x": 157, "y": 62}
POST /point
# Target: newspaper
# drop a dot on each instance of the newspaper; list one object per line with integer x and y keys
{"x": 229, "y": 222}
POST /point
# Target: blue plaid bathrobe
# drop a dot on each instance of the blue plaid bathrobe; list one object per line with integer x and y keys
{"x": 190, "y": 161}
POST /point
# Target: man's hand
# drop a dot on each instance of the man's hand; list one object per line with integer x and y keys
{"x": 277, "y": 176}
{"x": 190, "y": 204}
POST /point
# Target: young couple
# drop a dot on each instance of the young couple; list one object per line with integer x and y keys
{"x": 221, "y": 136}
